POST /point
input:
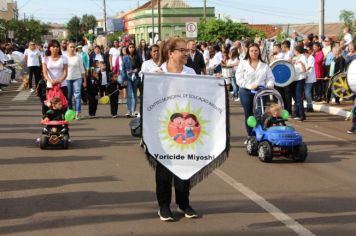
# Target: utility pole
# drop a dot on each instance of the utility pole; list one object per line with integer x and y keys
{"x": 104, "y": 8}
{"x": 153, "y": 23}
{"x": 159, "y": 19}
{"x": 321, "y": 22}
{"x": 205, "y": 10}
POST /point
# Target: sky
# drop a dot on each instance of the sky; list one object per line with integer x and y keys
{"x": 253, "y": 12}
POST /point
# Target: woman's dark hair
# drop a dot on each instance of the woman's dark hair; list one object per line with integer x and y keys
{"x": 234, "y": 53}
{"x": 247, "y": 57}
{"x": 286, "y": 43}
{"x": 150, "y": 50}
{"x": 217, "y": 48}
{"x": 299, "y": 49}
{"x": 317, "y": 44}
{"x": 128, "y": 51}
{"x": 53, "y": 43}
{"x": 142, "y": 49}
{"x": 193, "y": 117}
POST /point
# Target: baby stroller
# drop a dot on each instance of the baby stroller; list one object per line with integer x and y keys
{"x": 267, "y": 143}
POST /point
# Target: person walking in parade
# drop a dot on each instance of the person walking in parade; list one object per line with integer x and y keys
{"x": 32, "y": 61}
{"x": 174, "y": 55}
{"x": 131, "y": 67}
{"x": 252, "y": 73}
{"x": 55, "y": 67}
{"x": 76, "y": 77}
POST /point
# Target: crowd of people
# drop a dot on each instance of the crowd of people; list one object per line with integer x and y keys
{"x": 86, "y": 74}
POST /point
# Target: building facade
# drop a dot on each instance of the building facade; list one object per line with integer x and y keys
{"x": 174, "y": 16}
{"x": 8, "y": 10}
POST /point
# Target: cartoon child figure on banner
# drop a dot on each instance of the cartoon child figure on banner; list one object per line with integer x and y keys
{"x": 191, "y": 122}
{"x": 184, "y": 128}
{"x": 177, "y": 121}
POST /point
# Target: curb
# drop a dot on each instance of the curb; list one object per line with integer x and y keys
{"x": 331, "y": 110}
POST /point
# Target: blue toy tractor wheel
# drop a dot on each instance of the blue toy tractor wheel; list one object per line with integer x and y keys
{"x": 252, "y": 146}
{"x": 265, "y": 151}
{"x": 300, "y": 153}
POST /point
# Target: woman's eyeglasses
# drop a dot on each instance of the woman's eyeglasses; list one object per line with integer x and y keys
{"x": 182, "y": 50}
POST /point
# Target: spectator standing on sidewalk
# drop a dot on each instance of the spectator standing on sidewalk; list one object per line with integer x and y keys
{"x": 32, "y": 61}
{"x": 320, "y": 84}
{"x": 310, "y": 74}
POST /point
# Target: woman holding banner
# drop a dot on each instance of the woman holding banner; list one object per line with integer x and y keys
{"x": 251, "y": 74}
{"x": 174, "y": 55}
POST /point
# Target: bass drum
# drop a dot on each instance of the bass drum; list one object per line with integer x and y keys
{"x": 339, "y": 86}
{"x": 283, "y": 71}
{"x": 351, "y": 76}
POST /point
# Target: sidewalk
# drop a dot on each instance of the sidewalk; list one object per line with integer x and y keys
{"x": 342, "y": 109}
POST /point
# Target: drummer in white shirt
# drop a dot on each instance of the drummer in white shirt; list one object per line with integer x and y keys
{"x": 300, "y": 65}
{"x": 252, "y": 73}
{"x": 277, "y": 53}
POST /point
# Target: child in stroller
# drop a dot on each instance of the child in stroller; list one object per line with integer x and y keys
{"x": 56, "y": 131}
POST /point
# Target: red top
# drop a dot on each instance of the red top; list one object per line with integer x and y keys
{"x": 318, "y": 66}
{"x": 55, "y": 122}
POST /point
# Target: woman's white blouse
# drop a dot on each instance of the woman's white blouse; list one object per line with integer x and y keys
{"x": 246, "y": 75}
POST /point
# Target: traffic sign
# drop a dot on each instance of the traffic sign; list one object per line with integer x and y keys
{"x": 191, "y": 29}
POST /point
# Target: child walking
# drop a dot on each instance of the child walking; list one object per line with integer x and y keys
{"x": 113, "y": 91}
{"x": 93, "y": 91}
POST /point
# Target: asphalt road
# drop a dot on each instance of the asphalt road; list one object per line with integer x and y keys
{"x": 103, "y": 185}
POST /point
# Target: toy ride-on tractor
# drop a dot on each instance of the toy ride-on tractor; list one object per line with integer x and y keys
{"x": 54, "y": 134}
{"x": 274, "y": 141}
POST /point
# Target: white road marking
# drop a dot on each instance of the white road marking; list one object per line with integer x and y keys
{"x": 22, "y": 96}
{"x": 270, "y": 208}
{"x": 323, "y": 134}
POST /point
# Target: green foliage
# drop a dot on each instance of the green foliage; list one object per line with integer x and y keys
{"x": 24, "y": 31}
{"x": 214, "y": 29}
{"x": 88, "y": 22}
{"x": 114, "y": 36}
{"x": 74, "y": 29}
{"x": 78, "y": 27}
{"x": 348, "y": 18}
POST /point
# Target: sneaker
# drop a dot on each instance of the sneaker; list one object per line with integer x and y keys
{"x": 136, "y": 113}
{"x": 114, "y": 116}
{"x": 38, "y": 140}
{"x": 165, "y": 214}
{"x": 297, "y": 118}
{"x": 245, "y": 143}
{"x": 236, "y": 99}
{"x": 69, "y": 140}
{"x": 310, "y": 109}
{"x": 14, "y": 81}
{"x": 188, "y": 212}
{"x": 77, "y": 117}
{"x": 91, "y": 116}
{"x": 32, "y": 90}
{"x": 128, "y": 114}
{"x": 351, "y": 131}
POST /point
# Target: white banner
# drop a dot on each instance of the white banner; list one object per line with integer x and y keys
{"x": 184, "y": 121}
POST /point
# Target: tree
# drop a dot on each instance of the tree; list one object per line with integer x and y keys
{"x": 88, "y": 22}
{"x": 74, "y": 29}
{"x": 348, "y": 18}
{"x": 26, "y": 31}
{"x": 214, "y": 29}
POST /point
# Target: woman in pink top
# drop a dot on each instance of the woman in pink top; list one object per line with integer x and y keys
{"x": 320, "y": 84}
